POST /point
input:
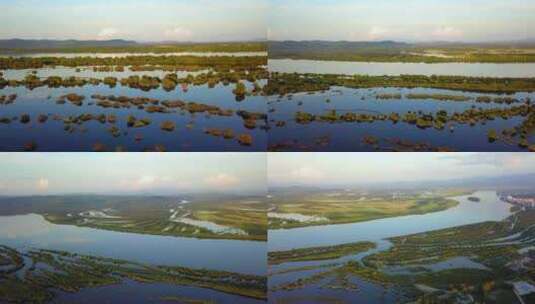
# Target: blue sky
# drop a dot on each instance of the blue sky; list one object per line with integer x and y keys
{"x": 317, "y": 169}
{"x": 224, "y": 20}
{"x": 405, "y": 20}
{"x": 155, "y": 173}
{"x": 141, "y": 20}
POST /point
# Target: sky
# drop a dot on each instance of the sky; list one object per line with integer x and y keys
{"x": 132, "y": 173}
{"x": 231, "y": 20}
{"x": 238, "y": 173}
{"x": 140, "y": 20}
{"x": 326, "y": 169}
{"x": 402, "y": 20}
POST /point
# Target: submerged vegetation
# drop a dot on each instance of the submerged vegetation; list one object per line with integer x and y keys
{"x": 441, "y": 120}
{"x": 478, "y": 99}
{"x": 247, "y": 81}
{"x": 73, "y": 123}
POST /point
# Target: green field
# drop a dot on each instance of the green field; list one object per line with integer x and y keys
{"x": 244, "y": 217}
{"x": 343, "y": 208}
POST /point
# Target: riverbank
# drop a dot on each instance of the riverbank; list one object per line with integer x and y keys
{"x": 476, "y": 260}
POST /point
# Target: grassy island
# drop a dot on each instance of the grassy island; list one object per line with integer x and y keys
{"x": 318, "y": 253}
{"x": 236, "y": 218}
{"x": 351, "y": 209}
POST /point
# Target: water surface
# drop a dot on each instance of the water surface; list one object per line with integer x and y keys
{"x": 189, "y": 134}
{"x": 88, "y": 72}
{"x": 396, "y": 68}
{"x": 349, "y": 136}
{"x": 33, "y": 231}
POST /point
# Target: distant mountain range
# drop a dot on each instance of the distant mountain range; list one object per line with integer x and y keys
{"x": 504, "y": 182}
{"x": 318, "y": 46}
{"x": 47, "y": 44}
{"x": 279, "y": 49}
{"x": 57, "y": 44}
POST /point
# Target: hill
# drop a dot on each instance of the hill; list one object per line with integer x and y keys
{"x": 24, "y": 44}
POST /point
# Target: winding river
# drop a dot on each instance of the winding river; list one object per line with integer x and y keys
{"x": 33, "y": 231}
{"x": 490, "y": 208}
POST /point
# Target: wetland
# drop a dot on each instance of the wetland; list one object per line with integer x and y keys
{"x": 83, "y": 248}
{"x": 323, "y": 112}
{"x": 394, "y": 96}
{"x": 137, "y": 102}
{"x": 472, "y": 250}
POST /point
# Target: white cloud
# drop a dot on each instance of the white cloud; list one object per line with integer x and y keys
{"x": 42, "y": 184}
{"x": 108, "y": 32}
{"x": 307, "y": 174}
{"x": 378, "y": 33}
{"x": 179, "y": 33}
{"x": 222, "y": 180}
{"x": 141, "y": 182}
{"x": 147, "y": 180}
{"x": 447, "y": 33}
{"x": 152, "y": 182}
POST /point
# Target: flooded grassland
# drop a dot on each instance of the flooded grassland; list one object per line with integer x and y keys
{"x": 335, "y": 112}
{"x": 133, "y": 103}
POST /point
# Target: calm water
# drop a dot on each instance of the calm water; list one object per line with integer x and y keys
{"x": 87, "y": 72}
{"x": 33, "y": 231}
{"x": 119, "y": 55}
{"x": 188, "y": 135}
{"x": 139, "y": 293}
{"x": 490, "y": 208}
{"x": 345, "y": 136}
{"x": 394, "y": 68}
